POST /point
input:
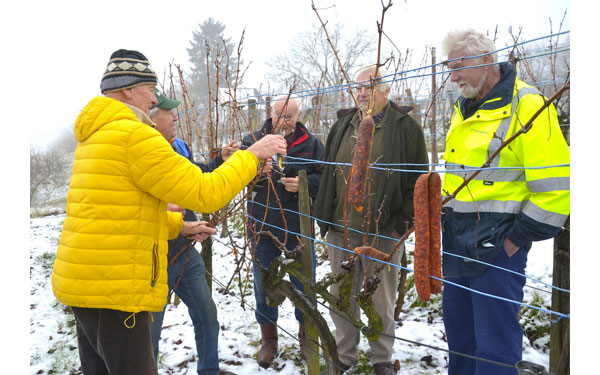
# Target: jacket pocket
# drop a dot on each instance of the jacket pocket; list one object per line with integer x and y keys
{"x": 477, "y": 241}
{"x": 155, "y": 265}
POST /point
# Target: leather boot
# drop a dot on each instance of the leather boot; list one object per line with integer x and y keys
{"x": 268, "y": 346}
{"x": 302, "y": 338}
{"x": 384, "y": 368}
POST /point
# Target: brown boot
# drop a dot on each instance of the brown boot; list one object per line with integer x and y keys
{"x": 268, "y": 346}
{"x": 302, "y": 338}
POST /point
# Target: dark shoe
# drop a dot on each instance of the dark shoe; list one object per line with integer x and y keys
{"x": 302, "y": 338}
{"x": 384, "y": 368}
{"x": 268, "y": 346}
{"x": 223, "y": 372}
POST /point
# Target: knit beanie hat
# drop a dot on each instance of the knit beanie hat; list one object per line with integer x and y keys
{"x": 126, "y": 69}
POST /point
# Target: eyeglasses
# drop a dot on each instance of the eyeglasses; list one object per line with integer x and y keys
{"x": 286, "y": 117}
{"x": 359, "y": 87}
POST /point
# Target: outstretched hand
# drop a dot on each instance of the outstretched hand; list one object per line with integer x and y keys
{"x": 228, "y": 150}
{"x": 269, "y": 145}
{"x": 197, "y": 230}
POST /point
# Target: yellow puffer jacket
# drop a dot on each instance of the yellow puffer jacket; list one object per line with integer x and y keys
{"x": 113, "y": 247}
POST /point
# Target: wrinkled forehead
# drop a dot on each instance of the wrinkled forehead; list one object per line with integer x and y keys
{"x": 461, "y": 58}
{"x": 364, "y": 77}
{"x": 291, "y": 107}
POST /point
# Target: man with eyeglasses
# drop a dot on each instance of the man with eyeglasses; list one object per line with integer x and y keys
{"x": 388, "y": 207}
{"x": 489, "y": 226}
{"x": 277, "y": 186}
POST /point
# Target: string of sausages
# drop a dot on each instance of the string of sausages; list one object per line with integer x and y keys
{"x": 428, "y": 256}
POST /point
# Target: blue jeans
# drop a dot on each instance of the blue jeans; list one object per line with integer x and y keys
{"x": 266, "y": 252}
{"x": 484, "y": 326}
{"x": 194, "y": 292}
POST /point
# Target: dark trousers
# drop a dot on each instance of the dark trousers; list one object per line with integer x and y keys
{"x": 484, "y": 326}
{"x": 266, "y": 252}
{"x": 195, "y": 293}
{"x": 107, "y": 346}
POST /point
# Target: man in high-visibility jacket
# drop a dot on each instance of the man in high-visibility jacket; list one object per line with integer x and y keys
{"x": 489, "y": 226}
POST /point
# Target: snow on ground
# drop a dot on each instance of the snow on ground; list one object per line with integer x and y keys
{"x": 54, "y": 347}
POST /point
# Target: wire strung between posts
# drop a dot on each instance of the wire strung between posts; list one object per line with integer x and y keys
{"x": 382, "y": 166}
{"x": 411, "y": 243}
{"x": 411, "y": 270}
{"x": 344, "y": 87}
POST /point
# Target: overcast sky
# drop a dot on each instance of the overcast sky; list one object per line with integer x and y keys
{"x": 75, "y": 39}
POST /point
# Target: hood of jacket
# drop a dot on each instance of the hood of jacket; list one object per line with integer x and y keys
{"x": 102, "y": 110}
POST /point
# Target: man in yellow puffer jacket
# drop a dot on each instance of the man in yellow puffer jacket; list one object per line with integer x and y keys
{"x": 111, "y": 262}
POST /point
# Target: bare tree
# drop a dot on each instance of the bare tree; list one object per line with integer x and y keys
{"x": 546, "y": 65}
{"x": 49, "y": 173}
{"x": 309, "y": 59}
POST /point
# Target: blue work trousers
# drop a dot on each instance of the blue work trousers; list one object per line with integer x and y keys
{"x": 194, "y": 292}
{"x": 483, "y": 326}
{"x": 266, "y": 252}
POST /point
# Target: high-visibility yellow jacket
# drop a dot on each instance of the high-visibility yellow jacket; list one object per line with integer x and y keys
{"x": 523, "y": 195}
{"x": 113, "y": 247}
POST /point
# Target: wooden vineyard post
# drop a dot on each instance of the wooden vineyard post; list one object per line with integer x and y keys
{"x": 312, "y": 339}
{"x": 559, "y": 331}
{"x": 206, "y": 254}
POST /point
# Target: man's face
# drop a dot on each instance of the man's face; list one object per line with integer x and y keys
{"x": 284, "y": 119}
{"x": 363, "y": 93}
{"x": 469, "y": 81}
{"x": 165, "y": 122}
{"x": 142, "y": 97}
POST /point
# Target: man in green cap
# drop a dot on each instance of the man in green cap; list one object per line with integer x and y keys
{"x": 185, "y": 263}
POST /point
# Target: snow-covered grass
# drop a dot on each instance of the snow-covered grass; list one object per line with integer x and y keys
{"x": 54, "y": 346}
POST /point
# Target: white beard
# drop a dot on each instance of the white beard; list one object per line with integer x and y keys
{"x": 469, "y": 91}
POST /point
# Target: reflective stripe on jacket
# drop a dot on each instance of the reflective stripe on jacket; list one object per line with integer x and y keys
{"x": 522, "y": 195}
{"x": 113, "y": 247}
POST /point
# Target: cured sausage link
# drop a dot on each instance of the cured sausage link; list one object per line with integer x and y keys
{"x": 421, "y": 255}
{"x": 360, "y": 163}
{"x": 434, "y": 189}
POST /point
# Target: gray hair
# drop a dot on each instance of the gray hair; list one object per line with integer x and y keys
{"x": 153, "y": 112}
{"x": 381, "y": 72}
{"x": 471, "y": 41}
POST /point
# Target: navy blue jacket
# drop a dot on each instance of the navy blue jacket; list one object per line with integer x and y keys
{"x": 303, "y": 145}
{"x": 184, "y": 150}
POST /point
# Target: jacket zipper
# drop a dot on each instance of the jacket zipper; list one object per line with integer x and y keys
{"x": 155, "y": 259}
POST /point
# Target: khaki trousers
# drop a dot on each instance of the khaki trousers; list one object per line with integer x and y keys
{"x": 347, "y": 336}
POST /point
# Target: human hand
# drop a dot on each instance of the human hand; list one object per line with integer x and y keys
{"x": 510, "y": 247}
{"x": 266, "y": 168}
{"x": 290, "y": 184}
{"x": 197, "y": 230}
{"x": 228, "y": 150}
{"x": 175, "y": 208}
{"x": 269, "y": 145}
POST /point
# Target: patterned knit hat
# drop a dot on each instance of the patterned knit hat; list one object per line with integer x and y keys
{"x": 126, "y": 69}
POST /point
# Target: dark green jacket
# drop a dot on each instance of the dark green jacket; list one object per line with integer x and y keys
{"x": 404, "y": 144}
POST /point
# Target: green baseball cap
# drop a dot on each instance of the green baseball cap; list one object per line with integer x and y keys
{"x": 164, "y": 102}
